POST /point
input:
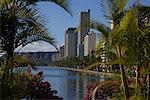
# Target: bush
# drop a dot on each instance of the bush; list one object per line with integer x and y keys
{"x": 104, "y": 89}
{"x": 27, "y": 85}
{"x": 88, "y": 95}
{"x": 108, "y": 89}
{"x": 38, "y": 89}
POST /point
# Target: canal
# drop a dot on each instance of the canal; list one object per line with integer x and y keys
{"x": 70, "y": 85}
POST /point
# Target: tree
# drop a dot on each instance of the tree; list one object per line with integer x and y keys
{"x": 21, "y": 24}
{"x": 135, "y": 29}
{"x": 144, "y": 27}
{"x": 62, "y": 3}
{"x": 129, "y": 41}
{"x": 115, "y": 15}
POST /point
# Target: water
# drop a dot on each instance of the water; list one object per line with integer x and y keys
{"x": 70, "y": 85}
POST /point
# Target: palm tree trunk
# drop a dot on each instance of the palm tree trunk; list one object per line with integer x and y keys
{"x": 10, "y": 68}
{"x": 124, "y": 82}
{"x": 123, "y": 78}
{"x": 9, "y": 64}
{"x": 148, "y": 86}
{"x": 137, "y": 77}
{"x": 6, "y": 71}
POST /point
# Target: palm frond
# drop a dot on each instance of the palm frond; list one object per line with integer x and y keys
{"x": 117, "y": 61}
{"x": 130, "y": 21}
{"x": 92, "y": 65}
{"x": 62, "y": 3}
{"x": 101, "y": 28}
{"x": 35, "y": 33}
{"x": 113, "y": 8}
{"x": 37, "y": 38}
{"x": 29, "y": 27}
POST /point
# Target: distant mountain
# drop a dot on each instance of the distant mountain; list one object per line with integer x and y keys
{"x": 40, "y": 58}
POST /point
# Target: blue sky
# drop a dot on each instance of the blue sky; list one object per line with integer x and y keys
{"x": 57, "y": 20}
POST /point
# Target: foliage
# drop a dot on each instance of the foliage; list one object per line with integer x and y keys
{"x": 107, "y": 89}
{"x": 20, "y": 61}
{"x": 21, "y": 24}
{"x": 28, "y": 85}
{"x": 128, "y": 42}
{"x": 62, "y": 3}
{"x": 38, "y": 89}
{"x": 103, "y": 90}
{"x": 76, "y": 61}
{"x": 1, "y": 72}
{"x": 89, "y": 89}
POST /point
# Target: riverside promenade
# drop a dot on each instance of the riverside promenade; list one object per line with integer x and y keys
{"x": 89, "y": 72}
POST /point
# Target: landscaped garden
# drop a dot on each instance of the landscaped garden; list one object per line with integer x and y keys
{"x": 127, "y": 45}
{"x": 26, "y": 85}
{"x": 20, "y": 24}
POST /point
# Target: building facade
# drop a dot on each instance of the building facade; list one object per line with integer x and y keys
{"x": 89, "y": 43}
{"x": 61, "y": 51}
{"x": 83, "y": 29}
{"x": 71, "y": 42}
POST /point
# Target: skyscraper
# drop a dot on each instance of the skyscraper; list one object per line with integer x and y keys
{"x": 83, "y": 29}
{"x": 89, "y": 43}
{"x": 61, "y": 51}
{"x": 71, "y": 42}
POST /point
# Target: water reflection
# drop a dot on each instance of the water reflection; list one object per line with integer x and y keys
{"x": 69, "y": 84}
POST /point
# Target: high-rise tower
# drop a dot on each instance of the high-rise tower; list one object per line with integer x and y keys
{"x": 61, "y": 52}
{"x": 83, "y": 29}
{"x": 71, "y": 42}
{"x": 89, "y": 43}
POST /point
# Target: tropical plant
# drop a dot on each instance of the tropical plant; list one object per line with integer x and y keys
{"x": 89, "y": 89}
{"x": 127, "y": 40}
{"x": 21, "y": 24}
{"x": 21, "y": 61}
{"x": 132, "y": 31}
{"x": 144, "y": 27}
{"x": 73, "y": 62}
{"x": 115, "y": 15}
{"x": 39, "y": 89}
{"x": 28, "y": 86}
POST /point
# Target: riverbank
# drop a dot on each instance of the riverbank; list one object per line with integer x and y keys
{"x": 89, "y": 72}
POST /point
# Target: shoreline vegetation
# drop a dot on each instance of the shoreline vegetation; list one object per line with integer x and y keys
{"x": 89, "y": 72}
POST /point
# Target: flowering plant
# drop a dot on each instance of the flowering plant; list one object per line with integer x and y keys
{"x": 88, "y": 95}
{"x": 38, "y": 89}
{"x": 104, "y": 89}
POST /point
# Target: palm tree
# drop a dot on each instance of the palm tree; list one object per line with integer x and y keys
{"x": 116, "y": 13}
{"x": 21, "y": 24}
{"x": 129, "y": 40}
{"x": 135, "y": 28}
{"x": 62, "y": 3}
{"x": 144, "y": 27}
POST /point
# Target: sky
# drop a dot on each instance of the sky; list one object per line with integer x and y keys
{"x": 58, "y": 21}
